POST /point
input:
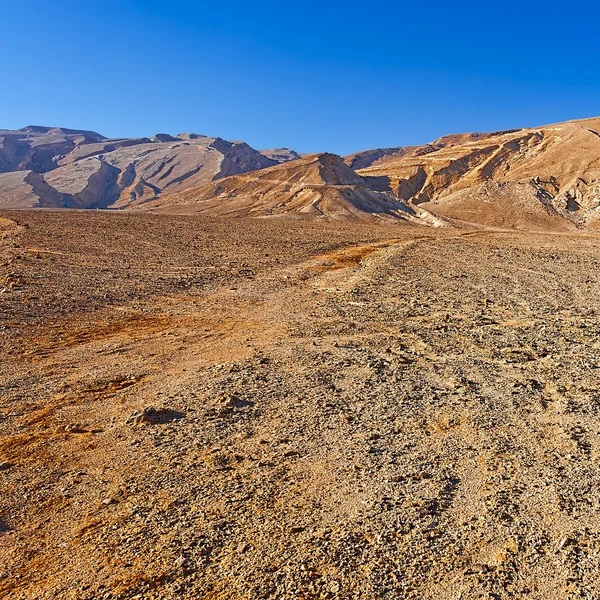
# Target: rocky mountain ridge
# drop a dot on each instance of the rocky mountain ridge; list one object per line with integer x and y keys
{"x": 538, "y": 178}
{"x": 43, "y": 167}
{"x": 545, "y": 177}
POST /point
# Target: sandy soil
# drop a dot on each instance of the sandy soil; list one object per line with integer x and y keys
{"x": 234, "y": 409}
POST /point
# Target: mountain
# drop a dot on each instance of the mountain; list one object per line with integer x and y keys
{"x": 38, "y": 148}
{"x": 24, "y": 189}
{"x": 538, "y": 178}
{"x": 317, "y": 186}
{"x": 545, "y": 177}
{"x": 367, "y": 158}
{"x": 54, "y": 167}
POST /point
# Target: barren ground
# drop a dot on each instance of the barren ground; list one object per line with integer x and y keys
{"x": 341, "y": 411}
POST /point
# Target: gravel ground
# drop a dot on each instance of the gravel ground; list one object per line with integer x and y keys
{"x": 232, "y": 409}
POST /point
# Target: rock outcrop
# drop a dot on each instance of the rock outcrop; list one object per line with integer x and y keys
{"x": 281, "y": 155}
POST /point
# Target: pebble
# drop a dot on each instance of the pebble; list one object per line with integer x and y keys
{"x": 565, "y": 542}
{"x": 297, "y": 529}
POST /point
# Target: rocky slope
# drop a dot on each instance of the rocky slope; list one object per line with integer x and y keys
{"x": 367, "y": 158}
{"x": 39, "y": 148}
{"x": 52, "y": 167}
{"x": 546, "y": 177}
{"x": 24, "y": 189}
{"x": 379, "y": 156}
{"x": 318, "y": 186}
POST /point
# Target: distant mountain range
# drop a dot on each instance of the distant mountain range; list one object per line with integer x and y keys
{"x": 53, "y": 167}
{"x": 542, "y": 178}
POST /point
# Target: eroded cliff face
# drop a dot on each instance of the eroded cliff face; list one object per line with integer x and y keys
{"x": 28, "y": 189}
{"x": 40, "y": 148}
{"x": 489, "y": 178}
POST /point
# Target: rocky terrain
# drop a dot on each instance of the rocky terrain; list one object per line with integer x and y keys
{"x": 378, "y": 156}
{"x": 46, "y": 167}
{"x": 384, "y": 385}
{"x": 253, "y": 408}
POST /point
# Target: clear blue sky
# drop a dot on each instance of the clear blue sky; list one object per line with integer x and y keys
{"x": 314, "y": 76}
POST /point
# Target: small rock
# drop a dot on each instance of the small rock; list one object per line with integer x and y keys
{"x": 565, "y": 542}
{"x": 243, "y": 547}
{"x": 154, "y": 416}
{"x": 479, "y": 568}
{"x": 108, "y": 501}
{"x": 230, "y": 403}
{"x": 5, "y": 466}
{"x": 297, "y": 529}
{"x": 75, "y": 428}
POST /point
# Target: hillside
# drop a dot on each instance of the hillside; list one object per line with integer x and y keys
{"x": 546, "y": 177}
{"x": 318, "y": 186}
{"x": 539, "y": 178}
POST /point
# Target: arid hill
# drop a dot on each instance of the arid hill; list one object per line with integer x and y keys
{"x": 51, "y": 167}
{"x": 546, "y": 177}
{"x": 379, "y": 156}
{"x": 367, "y": 158}
{"x": 39, "y": 148}
{"x": 318, "y": 186}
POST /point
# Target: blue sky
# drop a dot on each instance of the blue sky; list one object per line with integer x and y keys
{"x": 336, "y": 76}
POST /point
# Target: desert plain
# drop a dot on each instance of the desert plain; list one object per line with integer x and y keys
{"x": 195, "y": 407}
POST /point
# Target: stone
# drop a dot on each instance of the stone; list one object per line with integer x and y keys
{"x": 154, "y": 416}
{"x": 297, "y": 529}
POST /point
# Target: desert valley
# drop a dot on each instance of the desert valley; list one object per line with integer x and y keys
{"x": 229, "y": 373}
